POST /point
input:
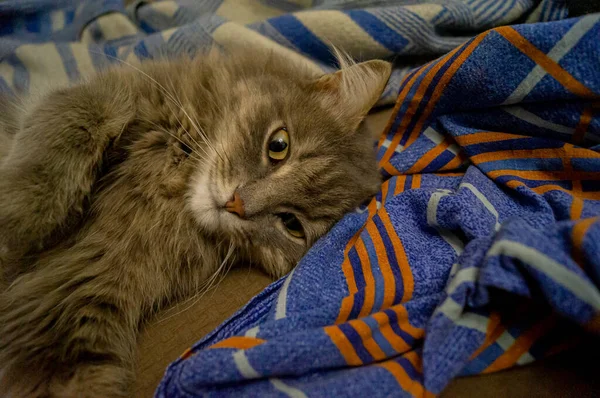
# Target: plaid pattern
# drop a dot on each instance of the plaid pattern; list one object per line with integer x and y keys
{"x": 484, "y": 239}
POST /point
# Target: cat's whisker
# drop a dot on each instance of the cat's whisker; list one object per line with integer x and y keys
{"x": 206, "y": 140}
{"x": 201, "y": 133}
{"x": 171, "y": 97}
{"x": 181, "y": 107}
{"x": 168, "y": 94}
{"x": 194, "y": 155}
{"x": 199, "y": 130}
{"x": 191, "y": 147}
{"x": 210, "y": 283}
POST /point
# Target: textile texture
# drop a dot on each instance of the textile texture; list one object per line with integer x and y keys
{"x": 482, "y": 250}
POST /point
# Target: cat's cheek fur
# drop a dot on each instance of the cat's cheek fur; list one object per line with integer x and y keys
{"x": 274, "y": 262}
{"x": 202, "y": 201}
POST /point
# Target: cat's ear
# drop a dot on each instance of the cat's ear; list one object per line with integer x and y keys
{"x": 356, "y": 88}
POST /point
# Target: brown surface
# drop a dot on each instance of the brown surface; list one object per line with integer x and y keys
{"x": 164, "y": 340}
{"x": 571, "y": 374}
{"x": 177, "y": 329}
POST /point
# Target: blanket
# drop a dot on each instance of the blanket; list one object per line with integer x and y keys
{"x": 481, "y": 252}
{"x": 56, "y": 42}
{"x": 482, "y": 249}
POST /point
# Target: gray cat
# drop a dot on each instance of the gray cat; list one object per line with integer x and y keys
{"x": 125, "y": 193}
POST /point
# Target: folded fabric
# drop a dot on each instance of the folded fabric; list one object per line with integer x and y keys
{"x": 482, "y": 250}
{"x": 54, "y": 42}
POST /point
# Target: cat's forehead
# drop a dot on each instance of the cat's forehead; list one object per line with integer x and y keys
{"x": 252, "y": 104}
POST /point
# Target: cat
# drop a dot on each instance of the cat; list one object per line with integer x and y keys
{"x": 124, "y": 193}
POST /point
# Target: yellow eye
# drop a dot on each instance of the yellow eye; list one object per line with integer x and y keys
{"x": 292, "y": 225}
{"x": 279, "y": 145}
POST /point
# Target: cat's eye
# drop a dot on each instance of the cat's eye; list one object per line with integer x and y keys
{"x": 279, "y": 145}
{"x": 292, "y": 225}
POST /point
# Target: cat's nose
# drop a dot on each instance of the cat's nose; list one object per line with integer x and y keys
{"x": 235, "y": 205}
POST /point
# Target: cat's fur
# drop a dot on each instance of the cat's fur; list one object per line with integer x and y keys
{"x": 112, "y": 194}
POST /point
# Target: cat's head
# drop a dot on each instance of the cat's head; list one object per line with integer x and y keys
{"x": 289, "y": 156}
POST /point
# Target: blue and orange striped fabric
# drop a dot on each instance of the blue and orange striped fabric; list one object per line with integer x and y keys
{"x": 63, "y": 41}
{"x": 481, "y": 252}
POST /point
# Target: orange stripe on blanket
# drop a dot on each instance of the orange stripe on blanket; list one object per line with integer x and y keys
{"x": 391, "y": 170}
{"x": 542, "y": 189}
{"x": 521, "y": 345}
{"x": 494, "y": 330}
{"x": 400, "y": 181}
{"x": 547, "y": 175}
{"x": 577, "y": 203}
{"x": 409, "y": 385}
{"x": 416, "y": 181}
{"x": 348, "y": 301}
{"x": 397, "y": 343}
{"x": 547, "y": 63}
{"x": 399, "y": 102}
{"x": 415, "y": 101}
{"x": 415, "y": 360}
{"x": 582, "y": 126}
{"x": 405, "y": 271}
{"x": 550, "y": 153}
{"x": 369, "y": 288}
{"x": 486, "y": 136}
{"x": 346, "y": 308}
{"x": 428, "y": 157}
{"x": 366, "y": 336}
{"x": 404, "y": 322}
{"x": 239, "y": 342}
{"x": 443, "y": 82}
{"x": 498, "y": 324}
{"x": 186, "y": 354}
{"x": 578, "y": 235}
{"x": 384, "y": 191}
{"x": 389, "y": 282}
{"x": 343, "y": 344}
{"x": 398, "y": 133}
{"x": 454, "y": 164}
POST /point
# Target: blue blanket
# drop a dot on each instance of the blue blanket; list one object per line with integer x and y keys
{"x": 55, "y": 42}
{"x": 482, "y": 250}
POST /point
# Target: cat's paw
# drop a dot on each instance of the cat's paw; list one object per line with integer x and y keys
{"x": 28, "y": 215}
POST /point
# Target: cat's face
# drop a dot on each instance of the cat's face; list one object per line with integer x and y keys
{"x": 289, "y": 158}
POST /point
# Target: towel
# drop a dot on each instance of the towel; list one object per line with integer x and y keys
{"x": 49, "y": 43}
{"x": 481, "y": 252}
